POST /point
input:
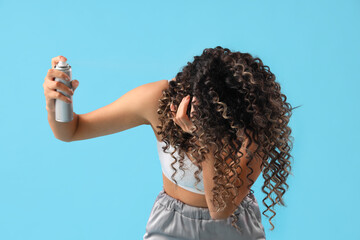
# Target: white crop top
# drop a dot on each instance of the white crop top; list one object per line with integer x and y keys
{"x": 185, "y": 180}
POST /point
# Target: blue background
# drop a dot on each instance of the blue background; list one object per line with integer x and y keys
{"x": 104, "y": 188}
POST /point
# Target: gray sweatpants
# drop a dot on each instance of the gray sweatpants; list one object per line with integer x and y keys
{"x": 171, "y": 219}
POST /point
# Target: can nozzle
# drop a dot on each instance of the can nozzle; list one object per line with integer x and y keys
{"x": 62, "y": 64}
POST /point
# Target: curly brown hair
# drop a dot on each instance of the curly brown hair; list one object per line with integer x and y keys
{"x": 238, "y": 99}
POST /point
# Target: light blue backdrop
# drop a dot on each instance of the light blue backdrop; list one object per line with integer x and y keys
{"x": 104, "y": 188}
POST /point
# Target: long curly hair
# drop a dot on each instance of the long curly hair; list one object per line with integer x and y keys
{"x": 238, "y": 102}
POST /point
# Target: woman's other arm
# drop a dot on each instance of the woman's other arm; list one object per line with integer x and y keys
{"x": 209, "y": 173}
{"x": 208, "y": 170}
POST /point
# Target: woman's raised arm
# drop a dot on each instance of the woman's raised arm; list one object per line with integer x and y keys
{"x": 132, "y": 109}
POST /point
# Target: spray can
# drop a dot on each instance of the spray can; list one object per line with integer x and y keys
{"x": 64, "y": 110}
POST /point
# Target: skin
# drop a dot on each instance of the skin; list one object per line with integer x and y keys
{"x": 138, "y": 107}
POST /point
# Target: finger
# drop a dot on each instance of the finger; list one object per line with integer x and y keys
{"x": 181, "y": 113}
{"x": 174, "y": 117}
{"x": 60, "y": 86}
{"x": 59, "y": 95}
{"x": 191, "y": 110}
{"x": 57, "y": 59}
{"x": 74, "y": 84}
{"x": 194, "y": 101}
{"x": 53, "y": 73}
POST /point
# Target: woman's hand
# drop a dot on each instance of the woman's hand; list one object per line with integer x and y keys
{"x": 180, "y": 117}
{"x": 50, "y": 85}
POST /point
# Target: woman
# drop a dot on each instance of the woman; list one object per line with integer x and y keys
{"x": 218, "y": 124}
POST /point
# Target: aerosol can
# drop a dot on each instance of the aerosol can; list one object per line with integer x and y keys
{"x": 64, "y": 110}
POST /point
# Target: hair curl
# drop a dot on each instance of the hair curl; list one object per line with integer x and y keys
{"x": 237, "y": 99}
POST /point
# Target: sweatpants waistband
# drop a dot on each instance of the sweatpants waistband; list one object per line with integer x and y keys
{"x": 194, "y": 212}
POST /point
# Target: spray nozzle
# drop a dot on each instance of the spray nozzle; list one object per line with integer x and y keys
{"x": 62, "y": 64}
